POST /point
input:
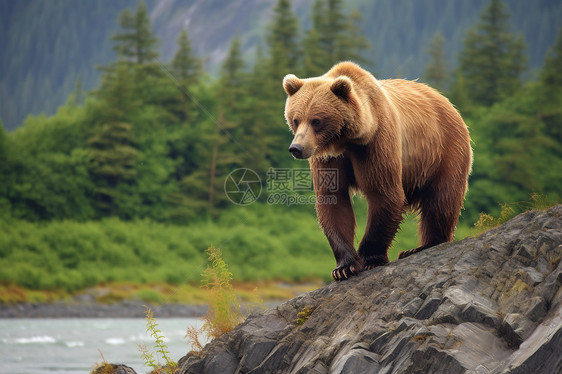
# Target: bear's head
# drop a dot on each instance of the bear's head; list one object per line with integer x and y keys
{"x": 318, "y": 112}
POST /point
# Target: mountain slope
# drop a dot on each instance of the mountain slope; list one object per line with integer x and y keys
{"x": 46, "y": 46}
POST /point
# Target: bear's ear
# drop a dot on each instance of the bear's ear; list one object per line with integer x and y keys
{"x": 341, "y": 87}
{"x": 292, "y": 84}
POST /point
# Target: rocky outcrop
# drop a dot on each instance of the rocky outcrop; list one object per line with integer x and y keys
{"x": 491, "y": 304}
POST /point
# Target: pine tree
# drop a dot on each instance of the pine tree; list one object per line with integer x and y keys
{"x": 333, "y": 37}
{"x": 185, "y": 65}
{"x": 519, "y": 143}
{"x": 283, "y": 39}
{"x": 113, "y": 154}
{"x": 228, "y": 152}
{"x": 3, "y": 144}
{"x": 187, "y": 69}
{"x": 354, "y": 43}
{"x": 436, "y": 69}
{"x": 153, "y": 86}
{"x": 314, "y": 56}
{"x": 492, "y": 59}
{"x": 458, "y": 94}
{"x": 263, "y": 118}
{"x": 231, "y": 82}
{"x": 113, "y": 163}
{"x": 550, "y": 79}
{"x": 117, "y": 93}
{"x": 332, "y": 24}
{"x": 283, "y": 57}
{"x": 551, "y": 72}
{"x": 136, "y": 46}
{"x": 6, "y": 170}
{"x": 136, "y": 43}
{"x": 328, "y": 22}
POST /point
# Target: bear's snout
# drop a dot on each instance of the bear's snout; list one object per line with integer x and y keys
{"x": 296, "y": 150}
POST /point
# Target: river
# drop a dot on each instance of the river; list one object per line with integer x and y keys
{"x": 69, "y": 346}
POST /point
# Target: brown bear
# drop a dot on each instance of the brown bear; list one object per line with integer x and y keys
{"x": 399, "y": 142}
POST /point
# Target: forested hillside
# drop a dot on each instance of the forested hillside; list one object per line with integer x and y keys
{"x": 48, "y": 47}
{"x": 130, "y": 181}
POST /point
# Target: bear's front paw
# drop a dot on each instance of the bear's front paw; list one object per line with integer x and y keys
{"x": 346, "y": 271}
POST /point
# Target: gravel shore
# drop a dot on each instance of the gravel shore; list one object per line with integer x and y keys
{"x": 125, "y": 309}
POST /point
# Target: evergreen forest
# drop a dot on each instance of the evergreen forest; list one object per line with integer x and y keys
{"x": 131, "y": 181}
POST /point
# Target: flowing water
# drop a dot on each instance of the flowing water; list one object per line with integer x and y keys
{"x": 68, "y": 346}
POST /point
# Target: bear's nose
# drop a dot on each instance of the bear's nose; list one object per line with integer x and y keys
{"x": 296, "y": 150}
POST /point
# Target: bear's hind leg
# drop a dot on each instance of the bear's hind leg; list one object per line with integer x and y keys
{"x": 438, "y": 219}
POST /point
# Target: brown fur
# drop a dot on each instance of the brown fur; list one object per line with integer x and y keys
{"x": 400, "y": 143}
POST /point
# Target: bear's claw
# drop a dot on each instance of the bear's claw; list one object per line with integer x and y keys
{"x": 375, "y": 262}
{"x": 344, "y": 272}
{"x": 372, "y": 266}
{"x": 409, "y": 252}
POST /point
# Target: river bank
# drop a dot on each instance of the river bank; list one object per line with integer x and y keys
{"x": 125, "y": 309}
{"x": 130, "y": 300}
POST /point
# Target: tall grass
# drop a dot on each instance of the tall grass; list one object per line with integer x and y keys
{"x": 224, "y": 309}
{"x": 224, "y": 312}
{"x": 150, "y": 358}
{"x": 509, "y": 210}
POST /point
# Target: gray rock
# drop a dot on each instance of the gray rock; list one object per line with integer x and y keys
{"x": 512, "y": 328}
{"x": 260, "y": 349}
{"x": 430, "y": 306}
{"x": 485, "y": 305}
{"x": 356, "y": 361}
{"x": 224, "y": 362}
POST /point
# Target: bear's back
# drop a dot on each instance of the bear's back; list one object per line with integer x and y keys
{"x": 431, "y": 129}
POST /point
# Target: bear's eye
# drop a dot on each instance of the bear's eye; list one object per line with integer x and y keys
{"x": 315, "y": 122}
{"x": 296, "y": 122}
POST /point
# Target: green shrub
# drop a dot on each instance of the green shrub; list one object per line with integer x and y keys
{"x": 259, "y": 242}
{"x": 148, "y": 295}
